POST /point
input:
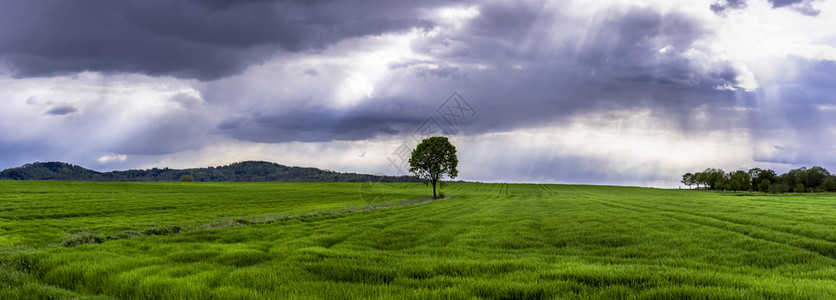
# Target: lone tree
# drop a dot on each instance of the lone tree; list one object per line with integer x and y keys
{"x": 432, "y": 159}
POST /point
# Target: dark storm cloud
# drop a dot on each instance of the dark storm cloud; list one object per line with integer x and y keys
{"x": 225, "y": 4}
{"x": 276, "y": 127}
{"x": 722, "y": 6}
{"x": 61, "y": 109}
{"x": 187, "y": 39}
{"x": 520, "y": 64}
{"x": 627, "y": 42}
{"x": 782, "y": 3}
{"x": 635, "y": 59}
{"x": 802, "y": 6}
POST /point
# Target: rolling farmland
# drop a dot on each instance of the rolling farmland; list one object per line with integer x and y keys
{"x": 338, "y": 240}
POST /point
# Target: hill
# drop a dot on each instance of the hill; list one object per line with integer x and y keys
{"x": 247, "y": 171}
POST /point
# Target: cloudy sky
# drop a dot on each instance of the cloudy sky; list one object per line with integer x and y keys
{"x": 600, "y": 92}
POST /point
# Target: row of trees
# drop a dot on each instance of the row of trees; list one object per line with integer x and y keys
{"x": 815, "y": 179}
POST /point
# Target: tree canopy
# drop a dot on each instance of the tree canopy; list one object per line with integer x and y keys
{"x": 432, "y": 159}
{"x": 815, "y": 179}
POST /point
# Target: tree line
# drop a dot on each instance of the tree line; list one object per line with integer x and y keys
{"x": 815, "y": 179}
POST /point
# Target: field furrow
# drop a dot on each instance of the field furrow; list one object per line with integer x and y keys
{"x": 821, "y": 247}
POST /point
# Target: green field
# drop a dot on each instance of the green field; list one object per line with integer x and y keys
{"x": 44, "y": 213}
{"x": 491, "y": 241}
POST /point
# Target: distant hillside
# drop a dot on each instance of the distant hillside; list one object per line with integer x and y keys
{"x": 248, "y": 171}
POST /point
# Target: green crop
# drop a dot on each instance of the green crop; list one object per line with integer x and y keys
{"x": 506, "y": 241}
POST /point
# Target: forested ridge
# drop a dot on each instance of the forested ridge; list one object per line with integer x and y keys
{"x": 247, "y": 171}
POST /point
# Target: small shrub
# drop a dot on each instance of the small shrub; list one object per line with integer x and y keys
{"x": 799, "y": 188}
{"x": 186, "y": 178}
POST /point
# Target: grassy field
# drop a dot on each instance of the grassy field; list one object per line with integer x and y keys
{"x": 494, "y": 241}
{"x": 43, "y": 213}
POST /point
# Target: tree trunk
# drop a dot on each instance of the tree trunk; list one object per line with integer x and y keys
{"x": 434, "y": 181}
